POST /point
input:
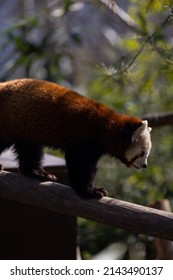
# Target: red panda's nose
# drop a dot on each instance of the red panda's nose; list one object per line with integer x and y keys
{"x": 144, "y": 165}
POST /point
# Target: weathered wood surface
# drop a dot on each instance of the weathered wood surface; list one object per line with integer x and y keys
{"x": 109, "y": 211}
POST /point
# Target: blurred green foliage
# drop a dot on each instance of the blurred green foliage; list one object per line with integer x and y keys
{"x": 137, "y": 88}
{"x": 145, "y": 87}
{"x": 36, "y": 51}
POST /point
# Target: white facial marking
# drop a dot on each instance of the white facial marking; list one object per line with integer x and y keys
{"x": 139, "y": 151}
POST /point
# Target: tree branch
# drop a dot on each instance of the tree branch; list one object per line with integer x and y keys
{"x": 126, "y": 18}
{"x": 109, "y": 211}
{"x": 159, "y": 119}
{"x": 117, "y": 10}
{"x": 148, "y": 39}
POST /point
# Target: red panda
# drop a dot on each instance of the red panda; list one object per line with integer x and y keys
{"x": 36, "y": 113}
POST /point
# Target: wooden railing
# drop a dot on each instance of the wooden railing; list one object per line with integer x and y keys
{"x": 110, "y": 211}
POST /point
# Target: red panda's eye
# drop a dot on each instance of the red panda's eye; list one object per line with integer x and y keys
{"x": 142, "y": 154}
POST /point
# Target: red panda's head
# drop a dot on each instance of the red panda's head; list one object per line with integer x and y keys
{"x": 137, "y": 153}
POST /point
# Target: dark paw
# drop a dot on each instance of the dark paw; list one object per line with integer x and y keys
{"x": 97, "y": 193}
{"x": 93, "y": 193}
{"x": 40, "y": 174}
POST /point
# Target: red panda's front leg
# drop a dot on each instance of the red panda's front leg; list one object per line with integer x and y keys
{"x": 29, "y": 157}
{"x": 81, "y": 165}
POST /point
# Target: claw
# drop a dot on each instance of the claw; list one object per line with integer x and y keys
{"x": 40, "y": 174}
{"x": 97, "y": 193}
{"x": 93, "y": 193}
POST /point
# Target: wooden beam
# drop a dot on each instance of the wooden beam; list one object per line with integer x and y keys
{"x": 159, "y": 119}
{"x": 109, "y": 211}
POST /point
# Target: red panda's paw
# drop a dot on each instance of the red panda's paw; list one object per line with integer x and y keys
{"x": 1, "y": 167}
{"x": 94, "y": 193}
{"x": 99, "y": 192}
{"x": 41, "y": 175}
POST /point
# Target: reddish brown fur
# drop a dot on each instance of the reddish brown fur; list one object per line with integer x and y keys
{"x": 43, "y": 111}
{"x": 47, "y": 114}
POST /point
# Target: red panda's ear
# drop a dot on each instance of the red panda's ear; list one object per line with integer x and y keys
{"x": 146, "y": 125}
{"x": 138, "y": 132}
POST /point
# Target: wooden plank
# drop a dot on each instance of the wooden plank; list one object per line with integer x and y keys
{"x": 31, "y": 232}
{"x": 110, "y": 211}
